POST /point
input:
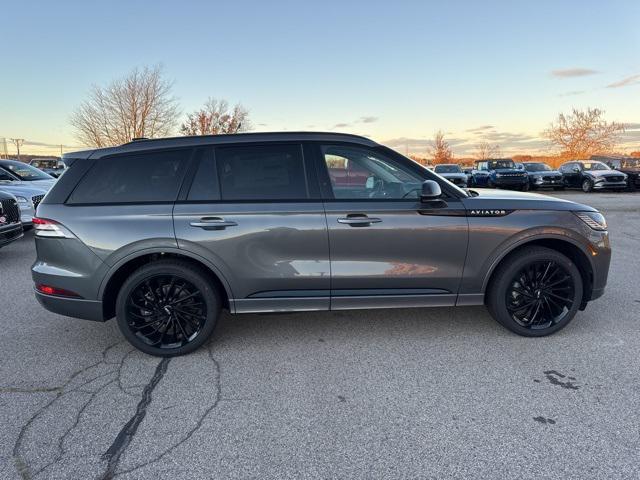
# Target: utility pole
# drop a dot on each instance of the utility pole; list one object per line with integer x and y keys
{"x": 60, "y": 150}
{"x": 18, "y": 143}
{"x": 4, "y": 152}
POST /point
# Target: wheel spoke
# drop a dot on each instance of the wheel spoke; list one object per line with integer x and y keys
{"x": 146, "y": 316}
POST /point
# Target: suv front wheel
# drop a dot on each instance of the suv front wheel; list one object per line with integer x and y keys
{"x": 167, "y": 308}
{"x": 536, "y": 291}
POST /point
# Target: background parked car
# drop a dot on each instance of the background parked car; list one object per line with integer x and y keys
{"x": 590, "y": 175}
{"x": 52, "y": 166}
{"x": 28, "y": 184}
{"x": 630, "y": 167}
{"x": 500, "y": 172}
{"x": 10, "y": 226}
{"x": 453, "y": 173}
{"x": 542, "y": 175}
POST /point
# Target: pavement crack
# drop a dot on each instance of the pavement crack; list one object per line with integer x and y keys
{"x": 216, "y": 400}
{"x": 21, "y": 465}
{"x": 124, "y": 437}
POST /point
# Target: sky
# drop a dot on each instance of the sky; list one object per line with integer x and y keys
{"x": 396, "y": 71}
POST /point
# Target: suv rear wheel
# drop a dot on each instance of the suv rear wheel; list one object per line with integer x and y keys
{"x": 535, "y": 292}
{"x": 167, "y": 308}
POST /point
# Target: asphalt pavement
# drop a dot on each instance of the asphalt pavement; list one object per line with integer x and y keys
{"x": 440, "y": 392}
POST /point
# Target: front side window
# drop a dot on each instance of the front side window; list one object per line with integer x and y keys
{"x": 447, "y": 169}
{"x": 138, "y": 177}
{"x": 595, "y": 166}
{"x": 537, "y": 167}
{"x": 359, "y": 173}
{"x": 262, "y": 172}
{"x": 501, "y": 164}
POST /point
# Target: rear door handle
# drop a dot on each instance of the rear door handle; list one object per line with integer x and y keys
{"x": 213, "y": 223}
{"x": 358, "y": 220}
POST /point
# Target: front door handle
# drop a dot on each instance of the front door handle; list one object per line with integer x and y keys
{"x": 358, "y": 220}
{"x": 213, "y": 223}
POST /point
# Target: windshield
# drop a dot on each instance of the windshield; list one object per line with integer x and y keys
{"x": 447, "y": 169}
{"x": 537, "y": 167}
{"x": 25, "y": 172}
{"x": 499, "y": 164}
{"x": 595, "y": 166}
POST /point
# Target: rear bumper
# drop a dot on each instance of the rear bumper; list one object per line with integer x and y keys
{"x": 10, "y": 233}
{"x": 72, "y": 307}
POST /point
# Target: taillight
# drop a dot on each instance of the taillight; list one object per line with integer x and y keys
{"x": 49, "y": 228}
{"x": 60, "y": 292}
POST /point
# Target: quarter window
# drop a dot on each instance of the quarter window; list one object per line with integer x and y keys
{"x": 139, "y": 178}
{"x": 358, "y": 173}
{"x": 262, "y": 172}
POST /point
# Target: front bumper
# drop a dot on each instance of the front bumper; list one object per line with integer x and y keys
{"x": 10, "y": 233}
{"x": 609, "y": 185}
{"x": 72, "y": 307}
{"x": 510, "y": 181}
{"x": 541, "y": 182}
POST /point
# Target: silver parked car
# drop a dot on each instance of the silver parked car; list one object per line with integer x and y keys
{"x": 453, "y": 173}
{"x": 27, "y": 183}
{"x": 162, "y": 234}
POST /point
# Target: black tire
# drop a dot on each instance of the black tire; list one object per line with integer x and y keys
{"x": 511, "y": 309}
{"x": 525, "y": 187}
{"x": 587, "y": 185}
{"x": 151, "y": 304}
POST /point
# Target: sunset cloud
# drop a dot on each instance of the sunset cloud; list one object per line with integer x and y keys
{"x": 368, "y": 119}
{"x": 481, "y": 128}
{"x": 573, "y": 72}
{"x": 571, "y": 93}
{"x": 625, "y": 82}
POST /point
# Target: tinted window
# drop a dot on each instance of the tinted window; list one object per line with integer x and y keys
{"x": 447, "y": 169}
{"x": 205, "y": 184}
{"x": 25, "y": 172}
{"x": 359, "y": 173}
{"x": 567, "y": 168}
{"x": 261, "y": 172}
{"x": 147, "y": 177}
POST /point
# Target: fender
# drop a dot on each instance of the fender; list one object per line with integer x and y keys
{"x": 175, "y": 250}
{"x": 528, "y": 236}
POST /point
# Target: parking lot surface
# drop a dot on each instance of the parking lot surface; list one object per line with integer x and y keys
{"x": 380, "y": 393}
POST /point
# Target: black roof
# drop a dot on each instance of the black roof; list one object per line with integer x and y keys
{"x": 146, "y": 144}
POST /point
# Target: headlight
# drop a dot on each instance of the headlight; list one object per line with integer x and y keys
{"x": 595, "y": 220}
{"x": 538, "y": 179}
{"x": 22, "y": 200}
{"x": 598, "y": 179}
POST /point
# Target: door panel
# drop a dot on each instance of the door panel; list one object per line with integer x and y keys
{"x": 265, "y": 251}
{"x": 403, "y": 252}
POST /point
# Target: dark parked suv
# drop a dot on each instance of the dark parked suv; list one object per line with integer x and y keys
{"x": 10, "y": 224}
{"x": 163, "y": 234}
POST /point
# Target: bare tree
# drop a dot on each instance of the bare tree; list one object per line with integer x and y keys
{"x": 583, "y": 133}
{"x": 216, "y": 118}
{"x": 137, "y": 105}
{"x": 486, "y": 150}
{"x": 440, "y": 150}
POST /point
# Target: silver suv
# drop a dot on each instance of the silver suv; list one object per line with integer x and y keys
{"x": 163, "y": 234}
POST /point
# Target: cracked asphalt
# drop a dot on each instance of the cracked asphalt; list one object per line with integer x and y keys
{"x": 384, "y": 393}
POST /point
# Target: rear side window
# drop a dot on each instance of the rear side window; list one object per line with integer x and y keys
{"x": 262, "y": 172}
{"x": 133, "y": 178}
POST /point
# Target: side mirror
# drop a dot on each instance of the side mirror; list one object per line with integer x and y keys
{"x": 576, "y": 169}
{"x": 430, "y": 191}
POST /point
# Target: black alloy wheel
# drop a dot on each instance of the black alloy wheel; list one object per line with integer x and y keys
{"x": 166, "y": 311}
{"x": 540, "y": 295}
{"x": 535, "y": 291}
{"x": 168, "y": 308}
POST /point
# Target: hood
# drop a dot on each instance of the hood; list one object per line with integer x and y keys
{"x": 508, "y": 170}
{"x": 453, "y": 175}
{"x": 551, "y": 173}
{"x": 603, "y": 173}
{"x": 512, "y": 200}
{"x": 28, "y": 189}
